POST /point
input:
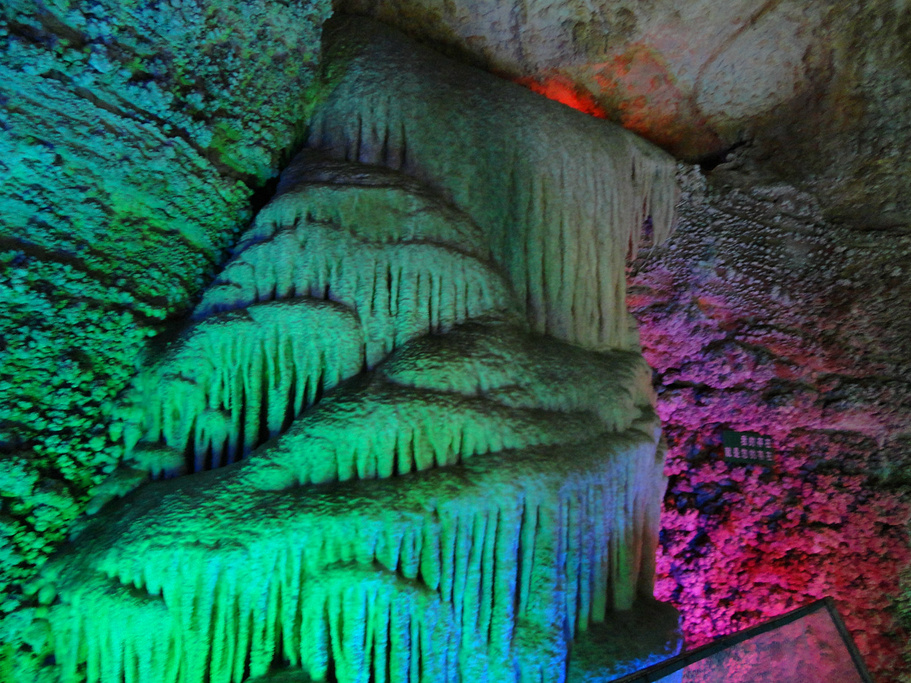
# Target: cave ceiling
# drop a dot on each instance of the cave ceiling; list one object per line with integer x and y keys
{"x": 811, "y": 91}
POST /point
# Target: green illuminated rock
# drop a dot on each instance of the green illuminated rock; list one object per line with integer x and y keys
{"x": 134, "y": 136}
{"x": 445, "y": 461}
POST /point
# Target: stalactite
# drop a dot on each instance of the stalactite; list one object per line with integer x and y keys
{"x": 209, "y": 391}
{"x": 534, "y": 175}
{"x": 325, "y": 261}
{"x": 373, "y": 203}
{"x": 504, "y": 529}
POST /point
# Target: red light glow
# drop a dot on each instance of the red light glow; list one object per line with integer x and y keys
{"x": 562, "y": 90}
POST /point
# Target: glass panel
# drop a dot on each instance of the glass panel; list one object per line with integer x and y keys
{"x": 809, "y": 649}
{"x": 809, "y": 645}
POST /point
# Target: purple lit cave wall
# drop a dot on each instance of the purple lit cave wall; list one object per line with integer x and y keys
{"x": 398, "y": 341}
{"x": 762, "y": 316}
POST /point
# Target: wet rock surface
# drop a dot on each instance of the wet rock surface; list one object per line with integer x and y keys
{"x": 134, "y": 136}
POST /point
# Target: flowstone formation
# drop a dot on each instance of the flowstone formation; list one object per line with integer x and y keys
{"x": 421, "y": 429}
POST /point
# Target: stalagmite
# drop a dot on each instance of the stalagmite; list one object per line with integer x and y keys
{"x": 425, "y": 445}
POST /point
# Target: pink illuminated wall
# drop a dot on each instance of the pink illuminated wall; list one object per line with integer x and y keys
{"x": 751, "y": 326}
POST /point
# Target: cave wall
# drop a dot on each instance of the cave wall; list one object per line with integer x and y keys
{"x": 822, "y": 90}
{"x": 762, "y": 316}
{"x": 780, "y": 306}
{"x": 135, "y": 137}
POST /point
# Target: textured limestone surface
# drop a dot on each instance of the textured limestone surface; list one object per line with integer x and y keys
{"x": 398, "y": 476}
{"x": 690, "y": 75}
{"x": 760, "y": 315}
{"x": 134, "y": 136}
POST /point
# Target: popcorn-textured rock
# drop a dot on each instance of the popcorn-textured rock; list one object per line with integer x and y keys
{"x": 761, "y": 316}
{"x": 134, "y": 137}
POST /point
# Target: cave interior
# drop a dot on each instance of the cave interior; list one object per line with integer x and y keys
{"x": 394, "y": 340}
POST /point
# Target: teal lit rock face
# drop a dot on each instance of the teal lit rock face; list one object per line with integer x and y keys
{"x": 421, "y": 429}
{"x": 134, "y": 135}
